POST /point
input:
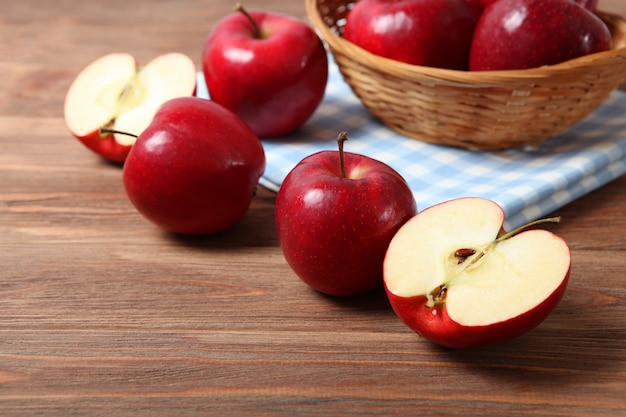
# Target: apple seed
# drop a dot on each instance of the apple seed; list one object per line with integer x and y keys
{"x": 437, "y": 296}
{"x": 463, "y": 254}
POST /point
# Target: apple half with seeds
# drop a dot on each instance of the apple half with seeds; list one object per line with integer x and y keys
{"x": 113, "y": 92}
{"x": 457, "y": 279}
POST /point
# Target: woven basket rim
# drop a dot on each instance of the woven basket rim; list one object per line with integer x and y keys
{"x": 339, "y": 45}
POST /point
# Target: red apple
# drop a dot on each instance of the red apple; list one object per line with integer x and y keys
{"x": 270, "y": 69}
{"x": 456, "y": 279}
{"x": 114, "y": 92}
{"x": 592, "y": 5}
{"x": 194, "y": 169}
{"x": 520, "y": 34}
{"x": 434, "y": 33}
{"x": 335, "y": 215}
{"x": 485, "y": 3}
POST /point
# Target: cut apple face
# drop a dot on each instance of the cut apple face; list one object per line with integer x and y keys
{"x": 113, "y": 92}
{"x": 451, "y": 274}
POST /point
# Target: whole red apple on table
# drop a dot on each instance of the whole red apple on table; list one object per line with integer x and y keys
{"x": 334, "y": 223}
{"x": 521, "y": 34}
{"x": 114, "y": 92}
{"x": 434, "y": 33}
{"x": 454, "y": 277}
{"x": 194, "y": 169}
{"x": 270, "y": 69}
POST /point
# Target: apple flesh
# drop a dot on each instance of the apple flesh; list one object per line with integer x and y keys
{"x": 114, "y": 92}
{"x": 457, "y": 280}
{"x": 195, "y": 168}
{"x": 335, "y": 219}
{"x": 521, "y": 34}
{"x": 269, "y": 68}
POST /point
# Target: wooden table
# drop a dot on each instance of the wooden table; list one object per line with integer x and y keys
{"x": 101, "y": 313}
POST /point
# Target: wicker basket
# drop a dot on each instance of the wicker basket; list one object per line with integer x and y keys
{"x": 477, "y": 110}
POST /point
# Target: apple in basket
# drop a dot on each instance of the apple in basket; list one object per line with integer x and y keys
{"x": 453, "y": 276}
{"x": 195, "y": 168}
{"x": 270, "y": 69}
{"x": 114, "y": 92}
{"x": 335, "y": 215}
{"x": 521, "y": 34}
{"x": 592, "y": 5}
{"x": 434, "y": 33}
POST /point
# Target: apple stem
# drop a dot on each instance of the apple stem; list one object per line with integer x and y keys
{"x": 255, "y": 27}
{"x": 508, "y": 235}
{"x": 105, "y": 130}
{"x": 343, "y": 136}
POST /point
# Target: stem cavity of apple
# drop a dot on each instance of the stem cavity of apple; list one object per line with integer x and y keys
{"x": 343, "y": 136}
{"x": 256, "y": 30}
{"x": 438, "y": 295}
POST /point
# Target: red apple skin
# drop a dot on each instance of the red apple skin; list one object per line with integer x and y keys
{"x": 195, "y": 168}
{"x": 274, "y": 83}
{"x": 334, "y": 231}
{"x": 106, "y": 146}
{"x": 434, "y": 33}
{"x": 591, "y": 5}
{"x": 544, "y": 32}
{"x": 485, "y": 3}
{"x": 435, "y": 325}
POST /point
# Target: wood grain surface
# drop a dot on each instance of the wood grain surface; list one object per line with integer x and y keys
{"x": 103, "y": 314}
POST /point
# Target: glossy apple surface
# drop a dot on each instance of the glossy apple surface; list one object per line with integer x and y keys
{"x": 334, "y": 230}
{"x": 521, "y": 34}
{"x": 591, "y": 5}
{"x": 114, "y": 92}
{"x": 434, "y": 33}
{"x": 485, "y": 3}
{"x": 195, "y": 167}
{"x": 453, "y": 277}
{"x": 270, "y": 69}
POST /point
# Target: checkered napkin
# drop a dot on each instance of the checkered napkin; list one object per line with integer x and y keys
{"x": 528, "y": 184}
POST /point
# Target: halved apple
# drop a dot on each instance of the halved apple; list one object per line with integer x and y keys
{"x": 114, "y": 92}
{"x": 454, "y": 277}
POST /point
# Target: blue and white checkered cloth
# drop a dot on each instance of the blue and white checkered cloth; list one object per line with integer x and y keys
{"x": 526, "y": 184}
